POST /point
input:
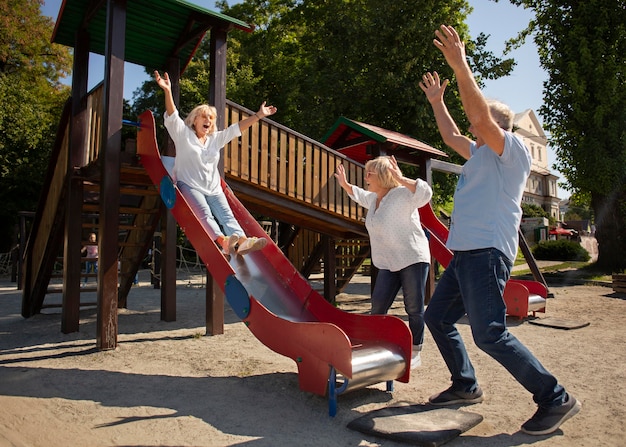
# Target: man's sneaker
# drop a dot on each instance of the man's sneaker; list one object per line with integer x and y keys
{"x": 548, "y": 419}
{"x": 251, "y": 244}
{"x": 416, "y": 359}
{"x": 454, "y": 397}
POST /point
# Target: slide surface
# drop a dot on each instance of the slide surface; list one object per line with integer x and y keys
{"x": 278, "y": 305}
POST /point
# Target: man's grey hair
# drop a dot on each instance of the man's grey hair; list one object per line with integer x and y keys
{"x": 502, "y": 114}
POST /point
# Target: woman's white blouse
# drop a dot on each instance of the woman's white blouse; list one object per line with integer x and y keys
{"x": 396, "y": 236}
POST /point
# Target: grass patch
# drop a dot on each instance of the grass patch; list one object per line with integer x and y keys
{"x": 570, "y": 269}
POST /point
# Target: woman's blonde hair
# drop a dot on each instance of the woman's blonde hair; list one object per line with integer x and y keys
{"x": 381, "y": 166}
{"x": 202, "y": 110}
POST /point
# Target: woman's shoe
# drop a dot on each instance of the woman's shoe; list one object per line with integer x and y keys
{"x": 228, "y": 244}
{"x": 232, "y": 243}
{"x": 251, "y": 244}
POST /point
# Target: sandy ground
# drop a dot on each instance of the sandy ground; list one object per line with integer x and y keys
{"x": 169, "y": 385}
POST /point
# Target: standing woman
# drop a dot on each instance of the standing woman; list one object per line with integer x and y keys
{"x": 399, "y": 246}
{"x": 198, "y": 144}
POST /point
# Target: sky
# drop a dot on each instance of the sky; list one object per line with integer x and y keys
{"x": 521, "y": 90}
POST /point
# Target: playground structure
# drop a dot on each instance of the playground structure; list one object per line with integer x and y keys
{"x": 274, "y": 172}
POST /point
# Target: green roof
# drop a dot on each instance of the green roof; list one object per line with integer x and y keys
{"x": 155, "y": 29}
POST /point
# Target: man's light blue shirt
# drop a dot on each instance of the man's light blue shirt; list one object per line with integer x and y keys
{"x": 487, "y": 210}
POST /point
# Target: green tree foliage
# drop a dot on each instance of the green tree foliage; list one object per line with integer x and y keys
{"x": 32, "y": 100}
{"x": 582, "y": 46}
{"x": 532, "y": 210}
{"x": 320, "y": 60}
{"x": 363, "y": 59}
{"x": 579, "y": 208}
{"x": 561, "y": 250}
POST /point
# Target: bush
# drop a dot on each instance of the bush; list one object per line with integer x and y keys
{"x": 560, "y": 250}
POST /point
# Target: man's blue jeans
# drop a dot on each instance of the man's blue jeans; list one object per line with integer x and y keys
{"x": 211, "y": 210}
{"x": 412, "y": 279}
{"x": 473, "y": 284}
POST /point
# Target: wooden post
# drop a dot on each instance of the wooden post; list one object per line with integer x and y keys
{"x": 426, "y": 174}
{"x": 217, "y": 97}
{"x": 330, "y": 268}
{"x": 70, "y": 312}
{"x": 107, "y": 330}
{"x": 168, "y": 223}
{"x": 530, "y": 260}
{"x": 214, "y": 307}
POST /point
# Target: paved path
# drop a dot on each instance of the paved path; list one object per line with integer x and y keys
{"x": 540, "y": 264}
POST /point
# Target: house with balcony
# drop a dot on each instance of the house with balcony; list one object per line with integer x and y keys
{"x": 541, "y": 187}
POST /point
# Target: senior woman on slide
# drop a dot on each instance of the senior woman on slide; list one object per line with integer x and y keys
{"x": 399, "y": 246}
{"x": 198, "y": 150}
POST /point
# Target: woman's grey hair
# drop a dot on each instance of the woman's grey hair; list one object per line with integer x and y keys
{"x": 382, "y": 166}
{"x": 202, "y": 110}
{"x": 502, "y": 114}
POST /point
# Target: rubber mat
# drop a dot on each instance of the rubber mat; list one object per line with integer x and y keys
{"x": 422, "y": 425}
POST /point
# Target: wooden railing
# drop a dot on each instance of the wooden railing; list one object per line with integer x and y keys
{"x": 47, "y": 212}
{"x": 95, "y": 109}
{"x": 268, "y": 155}
{"x": 276, "y": 158}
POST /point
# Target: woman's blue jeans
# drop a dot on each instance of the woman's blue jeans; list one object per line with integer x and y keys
{"x": 473, "y": 284}
{"x": 90, "y": 267}
{"x": 212, "y": 211}
{"x": 412, "y": 279}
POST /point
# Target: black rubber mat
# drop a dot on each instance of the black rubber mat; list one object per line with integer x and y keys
{"x": 422, "y": 425}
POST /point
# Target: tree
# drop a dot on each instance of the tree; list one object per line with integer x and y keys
{"x": 319, "y": 60}
{"x": 532, "y": 210}
{"x": 579, "y": 208}
{"x": 32, "y": 100}
{"x": 363, "y": 59}
{"x": 582, "y": 46}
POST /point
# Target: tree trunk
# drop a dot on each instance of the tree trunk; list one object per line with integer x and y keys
{"x": 610, "y": 220}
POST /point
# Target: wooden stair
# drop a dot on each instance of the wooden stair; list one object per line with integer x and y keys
{"x": 139, "y": 214}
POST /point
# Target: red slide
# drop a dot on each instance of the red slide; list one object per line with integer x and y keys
{"x": 437, "y": 234}
{"x": 278, "y": 305}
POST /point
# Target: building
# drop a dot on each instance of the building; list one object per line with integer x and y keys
{"x": 541, "y": 188}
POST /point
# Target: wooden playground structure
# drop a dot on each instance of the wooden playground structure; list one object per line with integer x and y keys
{"x": 96, "y": 182}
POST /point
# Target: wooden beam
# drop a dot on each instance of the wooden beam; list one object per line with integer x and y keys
{"x": 214, "y": 307}
{"x": 330, "y": 269}
{"x": 444, "y": 166}
{"x": 70, "y": 312}
{"x": 79, "y": 128}
{"x": 79, "y": 123}
{"x": 106, "y": 327}
{"x": 168, "y": 223}
{"x": 217, "y": 97}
